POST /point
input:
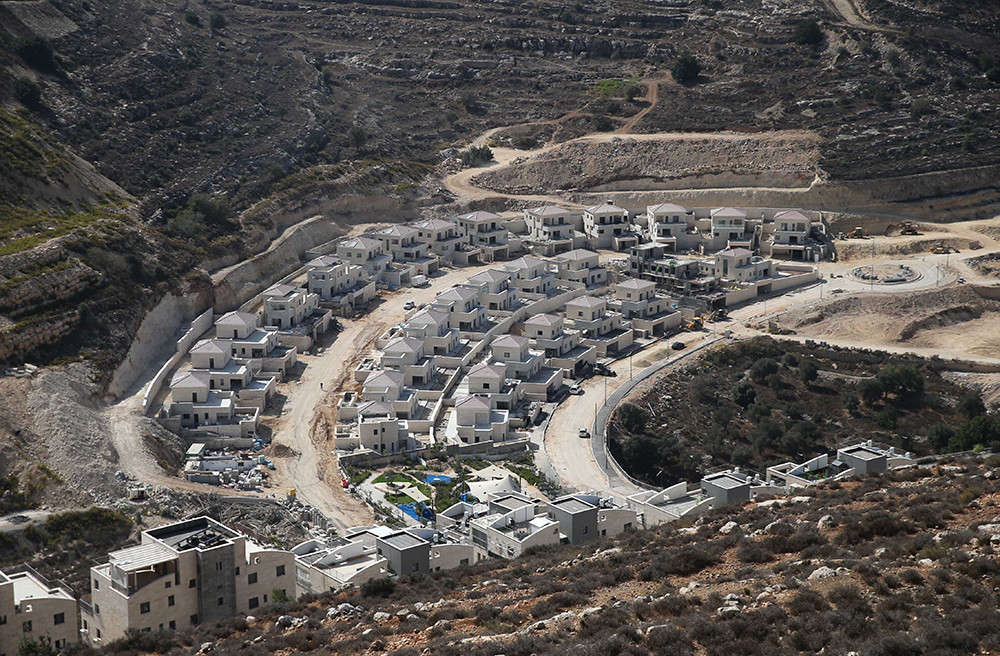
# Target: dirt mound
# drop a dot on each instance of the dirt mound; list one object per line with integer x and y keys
{"x": 785, "y": 159}
{"x": 953, "y": 318}
{"x": 283, "y": 451}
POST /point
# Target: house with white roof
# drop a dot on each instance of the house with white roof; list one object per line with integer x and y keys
{"x": 562, "y": 348}
{"x": 463, "y": 308}
{"x": 406, "y": 355}
{"x": 508, "y": 534}
{"x": 668, "y": 505}
{"x": 431, "y": 326}
{"x": 580, "y": 266}
{"x": 444, "y": 238}
{"x": 554, "y": 229}
{"x": 344, "y": 285}
{"x": 324, "y": 565}
{"x": 608, "y": 226}
{"x": 598, "y": 327}
{"x": 403, "y": 244}
{"x": 494, "y": 290}
{"x": 531, "y": 275}
{"x": 586, "y": 517}
{"x": 31, "y": 606}
{"x": 475, "y": 420}
{"x": 485, "y": 231}
{"x": 367, "y": 253}
{"x": 538, "y": 382}
{"x": 648, "y": 312}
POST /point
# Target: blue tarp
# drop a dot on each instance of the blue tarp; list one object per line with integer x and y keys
{"x": 437, "y": 478}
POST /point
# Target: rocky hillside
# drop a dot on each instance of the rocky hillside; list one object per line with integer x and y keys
{"x": 903, "y": 563}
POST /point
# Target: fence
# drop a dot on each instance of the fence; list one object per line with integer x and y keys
{"x": 198, "y": 327}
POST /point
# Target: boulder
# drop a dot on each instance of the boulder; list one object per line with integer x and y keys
{"x": 823, "y": 572}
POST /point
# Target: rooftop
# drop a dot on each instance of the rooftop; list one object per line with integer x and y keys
{"x": 586, "y": 301}
{"x": 605, "y": 208}
{"x": 434, "y": 224}
{"x": 398, "y": 231}
{"x": 143, "y": 556}
{"x": 665, "y": 207}
{"x": 524, "y": 262}
{"x": 281, "y": 290}
{"x": 213, "y": 346}
{"x": 729, "y": 212}
{"x": 385, "y": 378}
{"x": 28, "y": 586}
{"x": 575, "y": 254}
{"x": 361, "y": 242}
{"x": 543, "y": 320}
{"x": 200, "y": 532}
{"x": 490, "y": 275}
{"x": 191, "y": 377}
{"x": 482, "y": 368}
{"x": 479, "y": 216}
{"x": 511, "y": 340}
{"x": 403, "y": 540}
{"x": 242, "y": 318}
{"x": 324, "y": 261}
{"x": 547, "y": 210}
{"x": 735, "y": 252}
{"x": 404, "y": 345}
{"x": 636, "y": 283}
{"x": 457, "y": 294}
{"x": 473, "y": 402}
{"x": 572, "y": 505}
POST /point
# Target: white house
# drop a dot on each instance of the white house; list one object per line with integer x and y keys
{"x": 608, "y": 226}
{"x": 538, "y": 382}
{"x": 365, "y": 252}
{"x": 649, "y": 313}
{"x": 402, "y": 243}
{"x": 484, "y": 230}
{"x": 562, "y": 349}
{"x": 348, "y": 286}
{"x": 531, "y": 275}
{"x": 580, "y": 266}
{"x": 444, "y": 238}
{"x": 494, "y": 289}
{"x": 597, "y": 327}
{"x": 463, "y": 308}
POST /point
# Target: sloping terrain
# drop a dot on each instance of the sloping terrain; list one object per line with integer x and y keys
{"x": 898, "y": 564}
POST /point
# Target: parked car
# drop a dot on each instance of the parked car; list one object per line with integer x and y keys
{"x": 677, "y": 346}
{"x": 575, "y": 389}
{"x": 961, "y": 280}
{"x": 409, "y": 305}
{"x": 584, "y": 433}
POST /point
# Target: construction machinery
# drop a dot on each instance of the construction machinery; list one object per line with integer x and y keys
{"x": 858, "y": 233}
{"x": 942, "y": 249}
{"x": 696, "y": 323}
{"x": 904, "y": 227}
{"x": 718, "y": 315}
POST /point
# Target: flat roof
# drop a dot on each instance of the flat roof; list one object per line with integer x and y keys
{"x": 727, "y": 480}
{"x": 403, "y": 540}
{"x": 203, "y": 532}
{"x": 27, "y": 586}
{"x": 862, "y": 452}
{"x": 142, "y": 557}
{"x": 572, "y": 505}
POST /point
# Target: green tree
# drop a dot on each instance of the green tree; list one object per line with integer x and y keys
{"x": 939, "y": 436}
{"x": 871, "y": 390}
{"x": 971, "y": 405}
{"x": 641, "y": 454}
{"x": 476, "y": 155}
{"x": 850, "y": 401}
{"x": 686, "y": 69}
{"x": 192, "y": 18}
{"x": 982, "y": 430}
{"x": 763, "y": 368}
{"x": 808, "y": 33}
{"x": 27, "y": 92}
{"x": 42, "y": 646}
{"x": 808, "y": 372}
{"x": 902, "y": 382}
{"x": 744, "y": 394}
{"x": 37, "y": 52}
{"x": 357, "y": 137}
{"x": 887, "y": 418}
{"x": 632, "y": 418}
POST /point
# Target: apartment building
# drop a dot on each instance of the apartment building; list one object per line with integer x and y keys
{"x": 580, "y": 266}
{"x": 554, "y": 229}
{"x": 404, "y": 245}
{"x": 345, "y": 285}
{"x": 648, "y": 312}
{"x": 598, "y": 328}
{"x": 181, "y": 575}
{"x": 608, "y": 226}
{"x": 494, "y": 290}
{"x": 367, "y": 253}
{"x": 485, "y": 231}
{"x": 562, "y": 349}
{"x": 444, "y": 238}
{"x": 31, "y": 606}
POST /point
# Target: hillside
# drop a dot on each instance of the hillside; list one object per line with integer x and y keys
{"x": 761, "y": 402}
{"x": 902, "y": 563}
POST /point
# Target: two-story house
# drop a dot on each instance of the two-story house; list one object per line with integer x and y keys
{"x": 494, "y": 289}
{"x": 462, "y": 306}
{"x": 538, "y": 382}
{"x": 485, "y": 231}
{"x": 344, "y": 284}
{"x": 597, "y": 326}
{"x": 367, "y": 253}
{"x": 648, "y": 312}
{"x": 403, "y": 244}
{"x": 581, "y": 266}
{"x": 531, "y": 275}
{"x": 444, "y": 238}
{"x": 562, "y": 349}
{"x": 608, "y": 226}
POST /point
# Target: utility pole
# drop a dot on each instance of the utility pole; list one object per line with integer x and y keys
{"x": 630, "y": 365}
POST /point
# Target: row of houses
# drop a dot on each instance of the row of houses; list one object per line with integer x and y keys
{"x": 789, "y": 234}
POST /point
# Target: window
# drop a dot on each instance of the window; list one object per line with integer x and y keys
{"x": 251, "y": 578}
{"x": 279, "y": 570}
{"x": 170, "y": 600}
{"x": 3, "y": 620}
{"x": 167, "y": 584}
{"x": 97, "y": 609}
{"x": 265, "y": 599}
{"x": 144, "y": 607}
{"x": 97, "y": 584}
{"x": 172, "y": 624}
{"x": 148, "y": 629}
{"x": 237, "y": 571}
{"x": 416, "y": 567}
{"x": 26, "y": 627}
{"x": 192, "y": 583}
{"x": 194, "y": 618}
{"x": 59, "y": 618}
{"x": 222, "y": 601}
{"x": 254, "y": 602}
{"x": 98, "y": 634}
{"x": 586, "y": 529}
{"x": 59, "y": 644}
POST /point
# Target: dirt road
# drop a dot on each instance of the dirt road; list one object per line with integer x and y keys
{"x": 312, "y": 469}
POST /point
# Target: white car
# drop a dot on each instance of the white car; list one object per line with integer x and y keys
{"x": 584, "y": 433}
{"x": 575, "y": 389}
{"x": 409, "y": 305}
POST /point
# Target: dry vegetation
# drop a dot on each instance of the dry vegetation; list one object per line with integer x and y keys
{"x": 902, "y": 563}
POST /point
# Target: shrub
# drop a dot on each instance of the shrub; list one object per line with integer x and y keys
{"x": 37, "y": 52}
{"x": 808, "y": 371}
{"x": 686, "y": 69}
{"x": 808, "y": 33}
{"x": 763, "y": 368}
{"x": 887, "y": 418}
{"x": 920, "y": 107}
{"x": 378, "y": 588}
{"x": 555, "y": 603}
{"x": 192, "y": 18}
{"x": 356, "y": 137}
{"x": 871, "y": 390}
{"x": 27, "y": 92}
{"x": 971, "y": 405}
{"x": 217, "y": 21}
{"x": 633, "y": 418}
{"x": 744, "y": 394}
{"x": 850, "y": 401}
{"x": 476, "y": 155}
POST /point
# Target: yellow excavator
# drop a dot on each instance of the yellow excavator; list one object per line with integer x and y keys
{"x": 858, "y": 233}
{"x": 696, "y": 323}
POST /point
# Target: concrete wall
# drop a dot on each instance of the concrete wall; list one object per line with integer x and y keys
{"x": 198, "y": 327}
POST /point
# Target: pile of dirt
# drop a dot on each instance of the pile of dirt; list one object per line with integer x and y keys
{"x": 957, "y": 319}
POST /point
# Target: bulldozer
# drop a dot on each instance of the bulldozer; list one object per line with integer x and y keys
{"x": 909, "y": 228}
{"x": 696, "y": 323}
{"x": 858, "y": 233}
{"x": 941, "y": 249}
{"x": 718, "y": 315}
